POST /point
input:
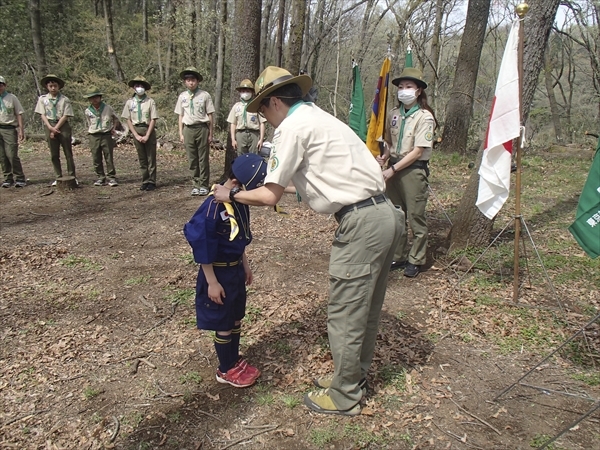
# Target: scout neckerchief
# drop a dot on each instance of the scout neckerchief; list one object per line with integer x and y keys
{"x": 235, "y": 229}
{"x": 54, "y": 102}
{"x": 245, "y": 103}
{"x": 2, "y": 105}
{"x": 98, "y": 114}
{"x": 139, "y": 101}
{"x": 192, "y": 93}
{"x": 404, "y": 115}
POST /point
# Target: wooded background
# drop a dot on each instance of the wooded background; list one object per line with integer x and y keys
{"x": 106, "y": 43}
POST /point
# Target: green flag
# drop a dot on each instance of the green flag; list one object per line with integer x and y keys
{"x": 586, "y": 228}
{"x": 357, "y": 120}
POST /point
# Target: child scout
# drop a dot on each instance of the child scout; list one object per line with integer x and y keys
{"x": 102, "y": 122}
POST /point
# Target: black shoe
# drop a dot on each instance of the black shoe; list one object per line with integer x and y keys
{"x": 150, "y": 186}
{"x": 144, "y": 187}
{"x": 398, "y": 265}
{"x": 412, "y": 270}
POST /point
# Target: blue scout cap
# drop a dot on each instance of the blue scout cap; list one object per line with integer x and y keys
{"x": 250, "y": 170}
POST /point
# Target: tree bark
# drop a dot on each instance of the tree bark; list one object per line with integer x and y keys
{"x": 296, "y": 36}
{"x": 245, "y": 51}
{"x": 145, "y": 21}
{"x": 36, "y": 34}
{"x": 430, "y": 71}
{"x": 220, "y": 61}
{"x": 460, "y": 106}
{"x": 552, "y": 97}
{"x": 110, "y": 41}
{"x": 280, "y": 33}
{"x": 170, "y": 19}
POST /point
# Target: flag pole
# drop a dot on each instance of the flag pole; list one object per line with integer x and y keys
{"x": 521, "y": 10}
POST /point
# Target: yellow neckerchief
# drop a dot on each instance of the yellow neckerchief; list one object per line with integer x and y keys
{"x": 235, "y": 228}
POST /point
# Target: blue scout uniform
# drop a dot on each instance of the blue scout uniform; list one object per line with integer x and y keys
{"x": 208, "y": 233}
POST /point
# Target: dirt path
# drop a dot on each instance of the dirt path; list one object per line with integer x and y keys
{"x": 100, "y": 350}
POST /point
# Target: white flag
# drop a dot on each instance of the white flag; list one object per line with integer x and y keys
{"x": 503, "y": 127}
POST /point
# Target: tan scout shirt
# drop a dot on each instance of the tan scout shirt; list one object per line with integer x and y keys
{"x": 144, "y": 114}
{"x": 328, "y": 163}
{"x": 11, "y": 109}
{"x": 202, "y": 107}
{"x": 418, "y": 132}
{"x": 52, "y": 108}
{"x": 100, "y": 123}
{"x": 251, "y": 121}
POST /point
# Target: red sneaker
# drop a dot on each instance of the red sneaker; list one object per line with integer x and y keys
{"x": 244, "y": 366}
{"x": 236, "y": 377}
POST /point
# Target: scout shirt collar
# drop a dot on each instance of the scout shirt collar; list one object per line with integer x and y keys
{"x": 294, "y": 107}
{"x": 97, "y": 113}
{"x": 404, "y": 115}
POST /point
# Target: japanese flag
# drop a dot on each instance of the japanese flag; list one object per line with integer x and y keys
{"x": 503, "y": 127}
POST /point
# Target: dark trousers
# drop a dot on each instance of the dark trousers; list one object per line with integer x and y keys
{"x": 9, "y": 155}
{"x": 102, "y": 144}
{"x": 146, "y": 155}
{"x": 195, "y": 139}
{"x": 63, "y": 139}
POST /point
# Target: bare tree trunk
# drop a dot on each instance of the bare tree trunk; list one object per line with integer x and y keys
{"x": 320, "y": 19}
{"x": 538, "y": 23}
{"x": 264, "y": 32}
{"x": 552, "y": 97}
{"x": 470, "y": 228}
{"x": 459, "y": 108}
{"x": 220, "y": 60}
{"x": 430, "y": 71}
{"x": 36, "y": 34}
{"x": 280, "y": 33}
{"x": 305, "y": 38}
{"x": 110, "y": 41}
{"x": 296, "y": 35}
{"x": 145, "y": 21}
{"x": 191, "y": 52}
{"x": 212, "y": 41}
{"x": 170, "y": 12}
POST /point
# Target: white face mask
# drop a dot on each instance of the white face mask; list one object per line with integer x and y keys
{"x": 246, "y": 96}
{"x": 407, "y": 96}
{"x": 140, "y": 90}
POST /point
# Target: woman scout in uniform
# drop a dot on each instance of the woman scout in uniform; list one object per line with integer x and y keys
{"x": 247, "y": 129}
{"x": 335, "y": 173}
{"x": 195, "y": 110}
{"x": 141, "y": 115}
{"x": 218, "y": 234}
{"x": 102, "y": 122}
{"x": 55, "y": 110}
{"x": 409, "y": 139}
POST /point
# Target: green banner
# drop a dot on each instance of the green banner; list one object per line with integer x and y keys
{"x": 586, "y": 228}
{"x": 357, "y": 119}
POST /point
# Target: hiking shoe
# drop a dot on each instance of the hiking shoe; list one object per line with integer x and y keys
{"x": 203, "y": 191}
{"x": 236, "y": 377}
{"x": 150, "y": 186}
{"x": 20, "y": 184}
{"x": 144, "y": 186}
{"x": 195, "y": 191}
{"x": 321, "y": 402}
{"x": 100, "y": 182}
{"x": 243, "y": 365}
{"x": 325, "y": 382}
{"x": 412, "y": 270}
{"x": 112, "y": 182}
{"x": 53, "y": 183}
{"x": 7, "y": 184}
{"x": 398, "y": 265}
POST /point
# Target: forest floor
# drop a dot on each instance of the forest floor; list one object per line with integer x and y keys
{"x": 99, "y": 347}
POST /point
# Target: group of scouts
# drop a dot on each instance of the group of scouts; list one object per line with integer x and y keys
{"x": 194, "y": 108}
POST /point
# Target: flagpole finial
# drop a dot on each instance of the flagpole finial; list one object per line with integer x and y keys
{"x": 522, "y": 9}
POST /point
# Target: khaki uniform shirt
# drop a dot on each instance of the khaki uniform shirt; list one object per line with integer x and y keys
{"x": 203, "y": 106}
{"x": 249, "y": 121}
{"x": 102, "y": 123}
{"x": 54, "y": 113}
{"x": 12, "y": 107}
{"x": 327, "y": 162}
{"x": 418, "y": 132}
{"x": 146, "y": 113}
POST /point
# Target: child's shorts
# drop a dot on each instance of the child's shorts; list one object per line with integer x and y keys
{"x": 215, "y": 317}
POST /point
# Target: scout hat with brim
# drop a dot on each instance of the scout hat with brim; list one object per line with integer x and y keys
{"x": 245, "y": 84}
{"x": 190, "y": 71}
{"x": 93, "y": 91}
{"x": 2, "y": 80}
{"x": 51, "y": 77}
{"x": 410, "y": 72}
{"x": 139, "y": 80}
{"x": 249, "y": 169}
{"x": 271, "y": 79}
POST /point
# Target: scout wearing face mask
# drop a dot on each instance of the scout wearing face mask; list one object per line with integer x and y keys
{"x": 246, "y": 129}
{"x": 407, "y": 96}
